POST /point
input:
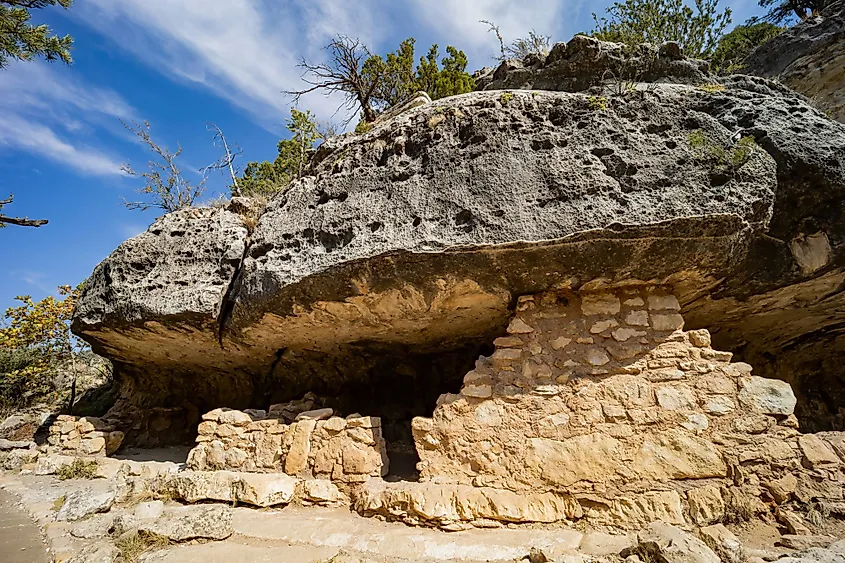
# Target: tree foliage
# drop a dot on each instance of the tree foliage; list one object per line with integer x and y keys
{"x": 164, "y": 185}
{"x": 268, "y": 178}
{"x": 780, "y": 11}
{"x": 20, "y": 221}
{"x": 21, "y": 40}
{"x": 696, "y": 29}
{"x": 371, "y": 83}
{"x": 450, "y": 80}
{"x": 34, "y": 340}
{"x": 734, "y": 47}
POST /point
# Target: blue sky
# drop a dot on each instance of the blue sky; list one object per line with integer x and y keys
{"x": 179, "y": 64}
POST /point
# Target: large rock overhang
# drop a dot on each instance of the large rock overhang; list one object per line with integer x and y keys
{"x": 422, "y": 233}
{"x": 480, "y": 198}
{"x": 435, "y": 299}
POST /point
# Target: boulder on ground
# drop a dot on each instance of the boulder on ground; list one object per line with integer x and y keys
{"x": 185, "y": 523}
{"x": 83, "y": 503}
{"x": 262, "y": 490}
{"x": 666, "y": 543}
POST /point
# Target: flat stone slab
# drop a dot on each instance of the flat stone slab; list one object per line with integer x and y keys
{"x": 229, "y": 552}
{"x": 338, "y": 528}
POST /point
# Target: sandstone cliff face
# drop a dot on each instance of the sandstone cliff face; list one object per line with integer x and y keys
{"x": 809, "y": 58}
{"x": 378, "y": 279}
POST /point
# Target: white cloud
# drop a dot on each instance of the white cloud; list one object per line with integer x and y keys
{"x": 35, "y": 279}
{"x": 44, "y": 89}
{"x": 245, "y": 51}
{"x": 38, "y": 99}
{"x": 41, "y": 140}
{"x": 515, "y": 19}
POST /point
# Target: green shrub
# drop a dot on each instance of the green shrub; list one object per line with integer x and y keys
{"x": 506, "y": 97}
{"x": 734, "y": 47}
{"x": 713, "y": 152}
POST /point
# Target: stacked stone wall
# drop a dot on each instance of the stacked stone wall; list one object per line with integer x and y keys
{"x": 602, "y": 396}
{"x": 86, "y": 436}
{"x": 344, "y": 450}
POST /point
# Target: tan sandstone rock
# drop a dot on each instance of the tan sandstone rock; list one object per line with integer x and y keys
{"x": 443, "y": 504}
{"x": 816, "y": 452}
{"x": 262, "y": 490}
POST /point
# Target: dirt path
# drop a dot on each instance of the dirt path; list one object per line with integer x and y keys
{"x": 20, "y": 539}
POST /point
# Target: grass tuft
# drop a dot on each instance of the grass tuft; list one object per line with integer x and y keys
{"x": 58, "y": 503}
{"x": 711, "y": 88}
{"x": 133, "y": 544}
{"x": 79, "y": 469}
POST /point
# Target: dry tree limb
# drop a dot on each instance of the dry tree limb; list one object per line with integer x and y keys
{"x": 19, "y": 221}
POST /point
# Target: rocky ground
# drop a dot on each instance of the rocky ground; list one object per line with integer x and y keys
{"x": 95, "y": 520}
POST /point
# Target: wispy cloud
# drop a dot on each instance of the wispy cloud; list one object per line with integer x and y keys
{"x": 41, "y": 140}
{"x": 515, "y": 19}
{"x": 244, "y": 51}
{"x": 46, "y": 110}
{"x": 37, "y": 280}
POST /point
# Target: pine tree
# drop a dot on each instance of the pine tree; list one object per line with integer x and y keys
{"x": 268, "y": 178}
{"x": 23, "y": 41}
{"x": 371, "y": 83}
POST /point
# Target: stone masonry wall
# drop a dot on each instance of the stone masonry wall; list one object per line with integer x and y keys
{"x": 316, "y": 445}
{"x": 87, "y": 436}
{"x": 603, "y": 396}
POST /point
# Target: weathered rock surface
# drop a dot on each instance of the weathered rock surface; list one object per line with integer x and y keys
{"x": 225, "y": 486}
{"x": 186, "y": 523}
{"x": 833, "y": 554}
{"x": 723, "y": 543}
{"x": 586, "y": 62}
{"x": 82, "y": 503}
{"x": 97, "y": 553}
{"x": 666, "y": 543}
{"x": 442, "y": 505}
{"x": 809, "y": 58}
{"x": 414, "y": 240}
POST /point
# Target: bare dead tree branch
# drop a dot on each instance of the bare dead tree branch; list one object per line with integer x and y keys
{"x": 227, "y": 161}
{"x": 343, "y": 73}
{"x": 19, "y": 221}
{"x": 163, "y": 182}
{"x": 495, "y": 29}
